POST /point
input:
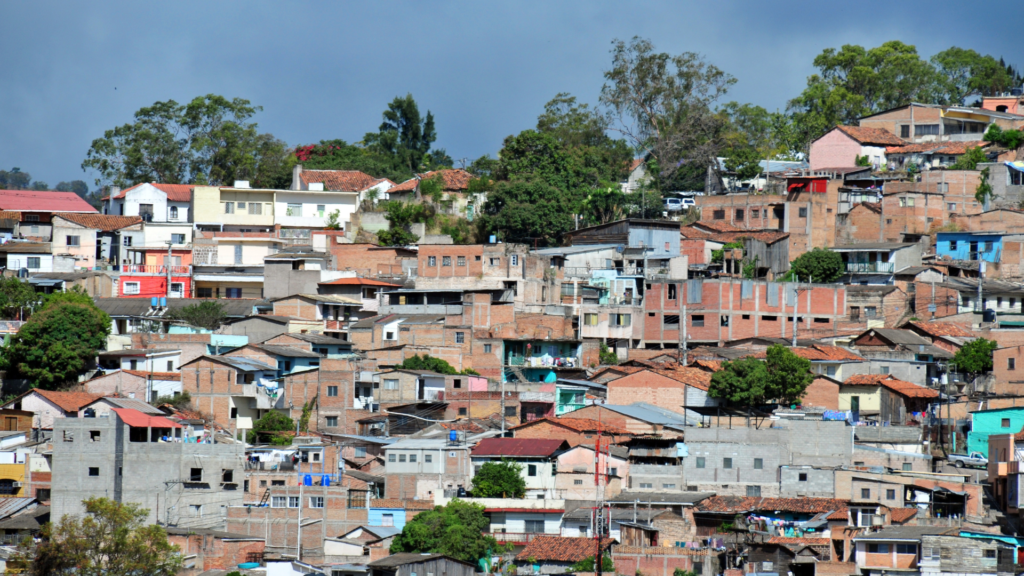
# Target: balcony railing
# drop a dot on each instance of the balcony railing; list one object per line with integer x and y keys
{"x": 870, "y": 267}
{"x": 516, "y": 537}
{"x": 155, "y": 269}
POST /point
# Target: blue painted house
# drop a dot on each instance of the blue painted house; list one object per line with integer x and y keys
{"x": 984, "y": 423}
{"x": 987, "y": 246}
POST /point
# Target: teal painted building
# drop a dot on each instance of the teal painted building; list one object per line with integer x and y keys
{"x": 985, "y": 423}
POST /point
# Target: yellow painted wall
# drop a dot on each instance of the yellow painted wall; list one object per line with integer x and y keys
{"x": 870, "y": 397}
{"x": 208, "y": 206}
{"x": 14, "y": 472}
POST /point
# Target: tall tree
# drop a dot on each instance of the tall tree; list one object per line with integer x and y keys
{"x": 531, "y": 211}
{"x": 112, "y": 539}
{"x": 665, "y": 104}
{"x": 965, "y": 72}
{"x": 783, "y": 377}
{"x": 77, "y": 186}
{"x": 210, "y": 140}
{"x": 15, "y": 179}
{"x": 404, "y": 136}
{"x": 16, "y": 298}
{"x": 499, "y": 480}
{"x": 455, "y": 530}
{"x": 582, "y": 133}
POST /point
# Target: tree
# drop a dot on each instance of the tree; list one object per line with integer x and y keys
{"x": 207, "y": 315}
{"x": 975, "y": 357}
{"x": 455, "y": 530}
{"x": 530, "y": 211}
{"x": 428, "y": 362}
{"x": 965, "y": 72}
{"x": 499, "y": 480}
{"x": 15, "y": 179}
{"x": 333, "y": 221}
{"x": 853, "y": 82}
{"x": 665, "y": 104}
{"x": 340, "y": 155}
{"x": 77, "y": 186}
{"x": 1009, "y": 139}
{"x": 582, "y": 133}
{"x": 210, "y": 140}
{"x": 112, "y": 539}
{"x": 401, "y": 215}
{"x": 782, "y": 377}
{"x": 266, "y": 429}
{"x": 59, "y": 341}
{"x": 587, "y": 565}
{"x": 984, "y": 190}
{"x": 404, "y": 138}
{"x": 819, "y": 265}
{"x": 970, "y": 159}
{"x": 16, "y": 297}
{"x": 604, "y": 205}
{"x": 606, "y": 356}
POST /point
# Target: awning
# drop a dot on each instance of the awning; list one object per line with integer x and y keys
{"x": 46, "y": 282}
{"x": 1018, "y": 166}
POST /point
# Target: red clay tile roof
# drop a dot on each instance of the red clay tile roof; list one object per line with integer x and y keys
{"x": 694, "y": 233}
{"x": 913, "y": 148}
{"x": 801, "y": 505}
{"x": 102, "y": 222}
{"x": 873, "y": 206}
{"x": 35, "y": 201}
{"x": 689, "y": 375}
{"x": 577, "y": 424}
{"x": 908, "y": 389}
{"x": 842, "y": 514}
{"x": 957, "y": 148}
{"x": 559, "y": 549}
{"x": 827, "y": 353}
{"x": 174, "y": 192}
{"x": 341, "y": 180}
{"x": 949, "y": 148}
{"x": 636, "y": 163}
{"x": 358, "y": 282}
{"x": 530, "y": 447}
{"x": 712, "y": 365}
{"x": 156, "y": 375}
{"x": 875, "y": 136}
{"x": 807, "y": 541}
{"x": 728, "y": 504}
{"x": 902, "y": 514}
{"x": 940, "y": 329}
{"x": 455, "y": 180}
{"x": 68, "y": 401}
{"x": 409, "y": 184}
{"x": 766, "y": 236}
{"x": 716, "y": 226}
{"x": 137, "y": 419}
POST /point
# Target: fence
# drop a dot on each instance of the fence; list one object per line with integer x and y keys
{"x": 155, "y": 269}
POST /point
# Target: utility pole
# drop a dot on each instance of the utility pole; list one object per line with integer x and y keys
{"x": 170, "y": 261}
{"x": 683, "y": 328}
{"x": 796, "y": 304}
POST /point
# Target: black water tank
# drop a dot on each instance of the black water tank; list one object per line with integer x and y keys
{"x": 989, "y": 315}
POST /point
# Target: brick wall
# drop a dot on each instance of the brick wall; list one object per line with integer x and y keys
{"x": 192, "y": 346}
{"x": 834, "y": 150}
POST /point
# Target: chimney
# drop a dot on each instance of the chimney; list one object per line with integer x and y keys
{"x": 111, "y": 192}
{"x": 297, "y": 177}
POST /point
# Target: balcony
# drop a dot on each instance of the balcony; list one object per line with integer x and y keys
{"x": 870, "y": 267}
{"x": 518, "y": 538}
{"x": 155, "y": 269}
{"x": 337, "y": 325}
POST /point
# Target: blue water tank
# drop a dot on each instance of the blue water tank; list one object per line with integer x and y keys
{"x": 163, "y": 302}
{"x": 493, "y": 239}
{"x": 453, "y": 436}
{"x": 307, "y": 480}
{"x": 153, "y": 301}
{"x": 327, "y": 480}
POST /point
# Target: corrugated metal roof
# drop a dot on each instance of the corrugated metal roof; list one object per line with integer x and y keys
{"x": 650, "y": 414}
{"x": 9, "y": 506}
{"x": 132, "y": 404}
{"x": 531, "y": 447}
{"x": 288, "y": 351}
{"x": 137, "y": 419}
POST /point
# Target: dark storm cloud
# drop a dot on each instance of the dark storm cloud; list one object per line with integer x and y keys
{"x": 326, "y": 70}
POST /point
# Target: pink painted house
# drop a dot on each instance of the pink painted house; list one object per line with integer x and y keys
{"x": 840, "y": 147}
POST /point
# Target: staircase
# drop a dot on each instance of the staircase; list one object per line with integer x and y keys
{"x": 266, "y": 498}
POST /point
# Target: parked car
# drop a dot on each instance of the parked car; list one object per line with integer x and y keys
{"x": 678, "y": 204}
{"x": 974, "y": 459}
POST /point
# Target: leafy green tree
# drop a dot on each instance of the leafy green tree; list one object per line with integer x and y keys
{"x": 719, "y": 255}
{"x": 782, "y": 377}
{"x": 266, "y": 429}
{"x": 15, "y": 179}
{"x": 984, "y": 190}
{"x": 181, "y": 401}
{"x": 404, "y": 137}
{"x": 583, "y": 135}
{"x": 207, "y": 315}
{"x": 483, "y": 167}
{"x": 333, "y": 220}
{"x": 455, "y": 530}
{"x": 77, "y": 186}
{"x": 819, "y": 265}
{"x": 39, "y": 185}
{"x": 970, "y": 159}
{"x": 770, "y": 134}
{"x": 743, "y": 162}
{"x": 530, "y": 211}
{"x": 58, "y": 342}
{"x": 975, "y": 357}
{"x": 587, "y": 565}
{"x": 210, "y": 140}
{"x": 428, "y": 362}
{"x": 340, "y": 155}
{"x": 499, "y": 480}
{"x": 665, "y": 104}
{"x": 401, "y": 215}
{"x": 604, "y": 205}
{"x": 964, "y": 72}
{"x": 789, "y": 375}
{"x": 16, "y": 298}
{"x": 1010, "y": 139}
{"x": 853, "y": 82}
{"x": 112, "y": 539}
{"x": 606, "y": 356}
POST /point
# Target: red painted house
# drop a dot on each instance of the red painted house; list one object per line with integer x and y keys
{"x": 146, "y": 281}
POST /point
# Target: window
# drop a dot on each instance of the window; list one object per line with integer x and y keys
{"x": 668, "y": 486}
{"x": 446, "y": 260}
{"x": 391, "y": 384}
{"x": 926, "y": 130}
{"x": 73, "y": 240}
{"x": 389, "y": 336}
{"x": 1005, "y": 423}
{"x": 951, "y": 206}
{"x": 890, "y": 494}
{"x": 33, "y": 262}
{"x": 460, "y": 337}
{"x": 462, "y": 411}
{"x": 332, "y": 422}
{"x": 739, "y": 214}
{"x": 277, "y": 482}
{"x": 670, "y": 320}
{"x": 31, "y": 218}
{"x": 531, "y": 470}
{"x": 401, "y": 458}
{"x": 487, "y": 348}
{"x": 534, "y": 526}
{"x": 279, "y": 502}
{"x": 700, "y": 462}
{"x": 515, "y": 259}
{"x": 256, "y": 208}
{"x": 802, "y": 212}
{"x": 195, "y": 475}
{"x": 874, "y": 548}
{"x": 671, "y": 291}
{"x": 294, "y": 210}
{"x": 908, "y": 467}
{"x": 770, "y": 318}
{"x": 590, "y": 319}
{"x": 229, "y": 207}
{"x": 293, "y": 501}
{"x": 758, "y": 463}
{"x": 316, "y": 501}
{"x": 132, "y": 288}
{"x": 170, "y": 365}
{"x": 870, "y": 311}
{"x": 428, "y": 458}
{"x": 412, "y": 458}
{"x": 431, "y": 260}
{"x": 1011, "y": 363}
{"x": 718, "y": 215}
{"x": 753, "y": 490}
{"x": 646, "y": 485}
{"x": 177, "y": 238}
{"x": 460, "y": 261}
{"x": 332, "y": 390}
{"x": 697, "y": 320}
{"x": 727, "y": 463}
{"x": 387, "y": 519}
{"x": 988, "y": 553}
{"x": 905, "y": 131}
{"x": 233, "y": 292}
{"x": 620, "y": 319}
{"x": 755, "y": 213}
{"x": 577, "y": 482}
{"x": 204, "y": 292}
{"x": 802, "y": 477}
{"x": 495, "y": 261}
{"x": 865, "y": 493}
{"x": 391, "y": 457}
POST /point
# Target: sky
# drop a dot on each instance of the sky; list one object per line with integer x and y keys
{"x": 324, "y": 70}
